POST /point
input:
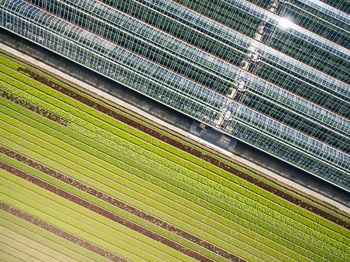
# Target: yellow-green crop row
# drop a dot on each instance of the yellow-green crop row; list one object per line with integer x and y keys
{"x": 218, "y": 219}
{"x": 165, "y": 205}
{"x": 257, "y": 191}
{"x": 189, "y": 165}
{"x": 16, "y": 253}
{"x": 9, "y": 62}
{"x": 267, "y": 203}
{"x": 14, "y": 239}
{"x": 74, "y": 218}
{"x": 75, "y": 153}
{"x": 44, "y": 237}
{"x": 169, "y": 133}
{"x": 25, "y": 128}
{"x": 110, "y": 207}
{"x": 189, "y": 177}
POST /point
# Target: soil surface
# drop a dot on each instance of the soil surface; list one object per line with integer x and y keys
{"x": 186, "y": 148}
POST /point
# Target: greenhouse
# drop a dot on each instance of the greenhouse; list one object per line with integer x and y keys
{"x": 273, "y": 74}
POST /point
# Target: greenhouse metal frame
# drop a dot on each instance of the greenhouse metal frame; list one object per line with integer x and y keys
{"x": 220, "y": 62}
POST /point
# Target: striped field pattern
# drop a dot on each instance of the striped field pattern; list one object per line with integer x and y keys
{"x": 83, "y": 180}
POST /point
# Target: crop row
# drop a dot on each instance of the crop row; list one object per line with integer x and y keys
{"x": 107, "y": 135}
{"x": 164, "y": 201}
{"x": 70, "y": 157}
{"x": 144, "y": 185}
{"x": 108, "y": 184}
{"x": 30, "y": 247}
{"x": 16, "y": 250}
{"x": 86, "y": 195}
{"x": 182, "y": 155}
{"x": 169, "y": 197}
{"x": 47, "y": 238}
{"x": 175, "y": 151}
{"x": 161, "y": 152}
{"x": 146, "y": 204}
{"x": 149, "y": 156}
{"x": 73, "y": 218}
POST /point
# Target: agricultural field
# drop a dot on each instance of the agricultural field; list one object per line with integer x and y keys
{"x": 82, "y": 179}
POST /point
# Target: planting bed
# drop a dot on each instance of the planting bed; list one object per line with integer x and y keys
{"x": 93, "y": 182}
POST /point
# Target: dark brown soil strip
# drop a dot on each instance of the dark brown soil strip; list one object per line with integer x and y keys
{"x": 66, "y": 179}
{"x": 187, "y": 149}
{"x": 37, "y": 109}
{"x": 107, "y": 213}
{"x": 58, "y": 231}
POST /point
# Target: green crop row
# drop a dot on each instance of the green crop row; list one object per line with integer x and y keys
{"x": 25, "y": 203}
{"x": 30, "y": 247}
{"x": 45, "y": 237}
{"x": 123, "y": 239}
{"x": 139, "y": 200}
{"x": 15, "y": 65}
{"x": 73, "y": 158}
{"x": 108, "y": 153}
{"x": 138, "y": 220}
{"x": 146, "y": 146}
{"x": 234, "y": 218}
{"x": 210, "y": 166}
{"x": 140, "y": 187}
{"x": 14, "y": 251}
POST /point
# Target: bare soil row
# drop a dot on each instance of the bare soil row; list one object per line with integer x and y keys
{"x": 120, "y": 204}
{"x": 186, "y": 148}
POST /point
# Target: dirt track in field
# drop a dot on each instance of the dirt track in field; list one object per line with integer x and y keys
{"x": 53, "y": 229}
{"x": 186, "y": 148}
{"x": 92, "y": 191}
